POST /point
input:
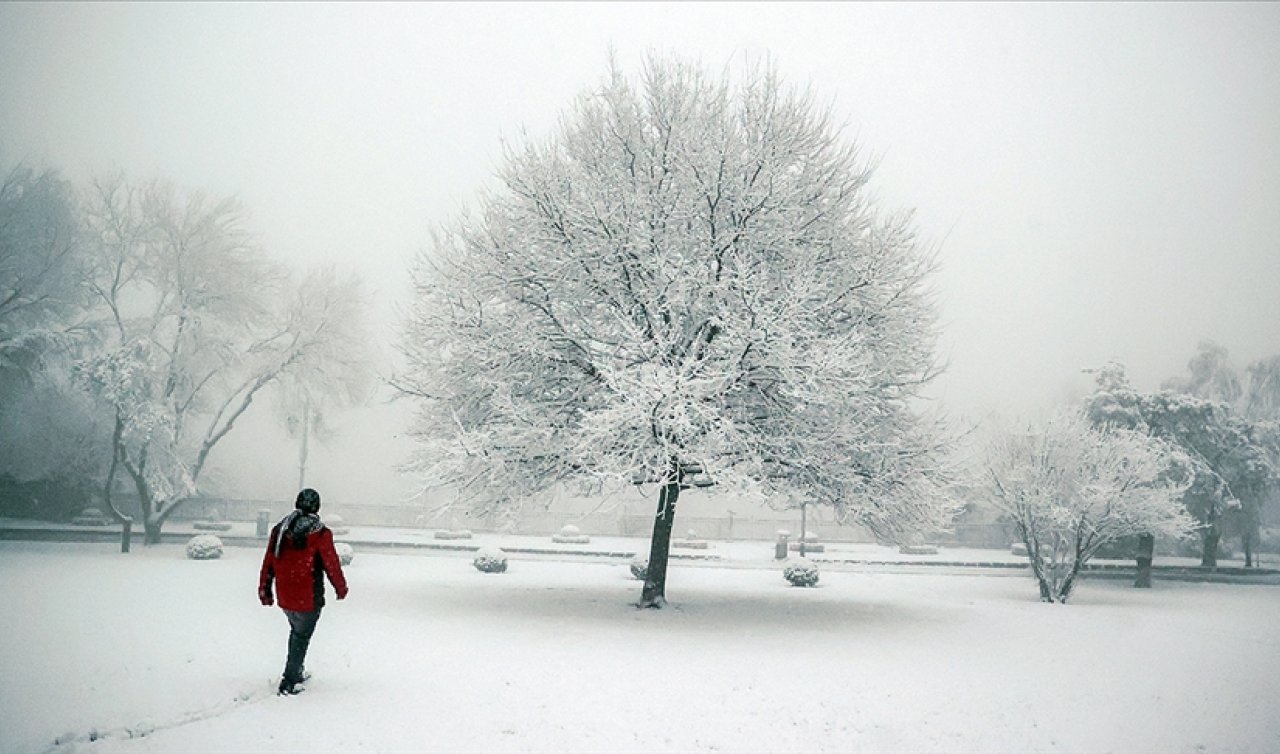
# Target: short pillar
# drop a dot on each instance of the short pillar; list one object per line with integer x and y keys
{"x": 264, "y": 522}
{"x": 1146, "y": 549}
{"x": 780, "y": 549}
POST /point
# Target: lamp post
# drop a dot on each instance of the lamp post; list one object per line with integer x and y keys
{"x": 804, "y": 506}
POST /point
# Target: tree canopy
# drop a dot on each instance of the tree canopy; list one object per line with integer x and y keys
{"x": 689, "y": 273}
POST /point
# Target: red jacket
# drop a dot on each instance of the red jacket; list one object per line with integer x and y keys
{"x": 297, "y": 572}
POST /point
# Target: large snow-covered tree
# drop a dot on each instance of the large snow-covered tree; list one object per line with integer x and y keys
{"x": 1230, "y": 461}
{"x": 686, "y": 281}
{"x": 1070, "y": 488}
{"x": 197, "y": 324}
{"x": 1250, "y": 405}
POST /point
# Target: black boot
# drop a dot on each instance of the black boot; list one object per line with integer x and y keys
{"x": 289, "y": 688}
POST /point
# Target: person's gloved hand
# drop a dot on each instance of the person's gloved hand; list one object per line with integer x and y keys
{"x": 342, "y": 595}
{"x": 264, "y": 596}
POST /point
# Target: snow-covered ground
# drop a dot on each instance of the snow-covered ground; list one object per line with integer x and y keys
{"x": 150, "y": 652}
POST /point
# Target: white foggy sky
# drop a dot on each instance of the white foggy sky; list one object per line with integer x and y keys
{"x": 1103, "y": 181}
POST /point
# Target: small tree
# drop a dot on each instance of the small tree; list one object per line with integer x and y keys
{"x": 1071, "y": 488}
{"x": 687, "y": 278}
{"x": 337, "y": 372}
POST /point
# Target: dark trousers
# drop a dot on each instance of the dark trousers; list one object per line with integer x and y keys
{"x": 301, "y": 626}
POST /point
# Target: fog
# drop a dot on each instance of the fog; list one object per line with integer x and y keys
{"x": 1100, "y": 181}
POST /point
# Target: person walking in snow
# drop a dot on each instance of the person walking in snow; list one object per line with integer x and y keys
{"x": 299, "y": 550}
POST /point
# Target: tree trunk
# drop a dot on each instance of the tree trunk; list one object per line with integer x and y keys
{"x": 1250, "y": 534}
{"x": 1146, "y": 548}
{"x": 1046, "y": 589}
{"x": 1212, "y": 535}
{"x": 156, "y": 523}
{"x": 152, "y": 527}
{"x": 150, "y": 523}
{"x": 1033, "y": 557}
{"x": 1069, "y": 583}
{"x": 111, "y": 474}
{"x": 655, "y": 580}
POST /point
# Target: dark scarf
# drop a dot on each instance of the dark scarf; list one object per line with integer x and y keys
{"x": 296, "y": 526}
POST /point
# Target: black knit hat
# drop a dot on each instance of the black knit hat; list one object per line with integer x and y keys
{"x": 308, "y": 501}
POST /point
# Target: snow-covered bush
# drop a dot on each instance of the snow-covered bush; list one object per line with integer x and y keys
{"x": 691, "y": 542}
{"x": 1070, "y": 488}
{"x": 211, "y": 526}
{"x": 800, "y": 572}
{"x": 918, "y": 550}
{"x": 204, "y": 547}
{"x": 810, "y": 543}
{"x": 639, "y": 567}
{"x": 346, "y": 553}
{"x": 453, "y": 534}
{"x": 91, "y": 517}
{"x": 570, "y": 534}
{"x": 490, "y": 560}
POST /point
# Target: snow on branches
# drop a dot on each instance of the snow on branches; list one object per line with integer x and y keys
{"x": 1070, "y": 488}
{"x": 690, "y": 270}
{"x": 195, "y": 323}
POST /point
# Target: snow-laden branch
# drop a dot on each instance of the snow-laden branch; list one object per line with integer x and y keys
{"x": 690, "y": 268}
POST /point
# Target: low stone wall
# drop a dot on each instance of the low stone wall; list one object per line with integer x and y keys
{"x": 541, "y": 522}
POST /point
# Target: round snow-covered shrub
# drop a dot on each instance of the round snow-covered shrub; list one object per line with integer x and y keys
{"x": 800, "y": 572}
{"x": 918, "y": 550}
{"x": 570, "y": 534}
{"x": 490, "y": 560}
{"x": 346, "y": 553}
{"x": 639, "y": 567}
{"x": 204, "y": 547}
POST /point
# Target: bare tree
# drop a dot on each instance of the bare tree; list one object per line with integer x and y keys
{"x": 200, "y": 324}
{"x": 337, "y": 372}
{"x": 1071, "y": 488}
{"x": 687, "y": 281}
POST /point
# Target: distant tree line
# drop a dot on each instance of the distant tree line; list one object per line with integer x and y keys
{"x": 138, "y": 323}
{"x": 1226, "y": 423}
